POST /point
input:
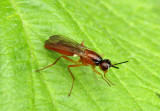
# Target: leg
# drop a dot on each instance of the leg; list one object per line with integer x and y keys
{"x": 82, "y": 43}
{"x": 56, "y": 62}
{"x": 93, "y": 68}
{"x": 76, "y": 65}
{"x": 107, "y": 78}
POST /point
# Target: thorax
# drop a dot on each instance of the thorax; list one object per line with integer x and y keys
{"x": 90, "y": 58}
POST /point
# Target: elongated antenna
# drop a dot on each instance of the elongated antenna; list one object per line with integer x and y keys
{"x": 117, "y": 64}
{"x": 120, "y": 63}
{"x": 115, "y": 67}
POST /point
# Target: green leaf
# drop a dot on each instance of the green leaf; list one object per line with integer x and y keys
{"x": 120, "y": 30}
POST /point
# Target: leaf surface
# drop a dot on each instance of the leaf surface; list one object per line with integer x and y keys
{"x": 120, "y": 30}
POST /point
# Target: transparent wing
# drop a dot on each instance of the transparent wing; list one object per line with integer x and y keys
{"x": 64, "y": 43}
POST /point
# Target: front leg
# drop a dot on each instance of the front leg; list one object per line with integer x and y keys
{"x": 107, "y": 78}
{"x": 93, "y": 68}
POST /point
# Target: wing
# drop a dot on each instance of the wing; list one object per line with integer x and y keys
{"x": 64, "y": 45}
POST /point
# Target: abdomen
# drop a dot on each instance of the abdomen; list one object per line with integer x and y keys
{"x": 62, "y": 50}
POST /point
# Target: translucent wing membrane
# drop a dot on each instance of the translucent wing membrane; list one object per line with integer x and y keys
{"x": 65, "y": 45}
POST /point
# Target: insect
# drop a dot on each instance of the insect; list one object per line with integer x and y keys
{"x": 69, "y": 47}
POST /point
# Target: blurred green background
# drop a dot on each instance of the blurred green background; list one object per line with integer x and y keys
{"x": 120, "y": 30}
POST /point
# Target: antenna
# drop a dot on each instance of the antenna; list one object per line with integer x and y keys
{"x": 115, "y": 67}
{"x": 120, "y": 63}
{"x": 117, "y": 64}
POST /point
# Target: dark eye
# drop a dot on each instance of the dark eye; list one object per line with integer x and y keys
{"x": 104, "y": 66}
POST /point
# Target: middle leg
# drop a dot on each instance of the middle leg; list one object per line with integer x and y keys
{"x": 76, "y": 65}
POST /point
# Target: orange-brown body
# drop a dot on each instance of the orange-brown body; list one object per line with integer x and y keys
{"x": 69, "y": 47}
{"x": 87, "y": 57}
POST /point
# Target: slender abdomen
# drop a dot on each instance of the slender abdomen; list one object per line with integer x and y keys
{"x": 61, "y": 50}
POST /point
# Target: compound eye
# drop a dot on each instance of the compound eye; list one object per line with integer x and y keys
{"x": 104, "y": 66}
